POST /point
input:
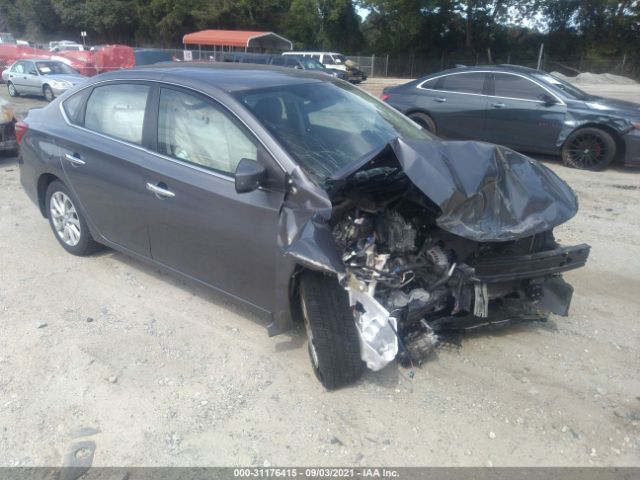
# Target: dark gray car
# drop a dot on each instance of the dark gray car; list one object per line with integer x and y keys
{"x": 524, "y": 109}
{"x": 306, "y": 199}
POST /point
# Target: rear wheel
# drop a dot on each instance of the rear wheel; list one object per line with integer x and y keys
{"x": 334, "y": 346}
{"x": 48, "y": 93}
{"x": 12, "y": 90}
{"x": 67, "y": 222}
{"x": 589, "y": 149}
{"x": 424, "y": 120}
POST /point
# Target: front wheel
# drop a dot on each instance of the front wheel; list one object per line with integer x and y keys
{"x": 12, "y": 90}
{"x": 68, "y": 225}
{"x": 48, "y": 93}
{"x": 589, "y": 149}
{"x": 334, "y": 346}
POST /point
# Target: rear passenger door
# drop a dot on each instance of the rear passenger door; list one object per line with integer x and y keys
{"x": 522, "y": 114}
{"x": 457, "y": 103}
{"x": 105, "y": 162}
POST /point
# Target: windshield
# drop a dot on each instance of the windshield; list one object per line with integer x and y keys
{"x": 567, "y": 88}
{"x": 54, "y": 68}
{"x": 327, "y": 126}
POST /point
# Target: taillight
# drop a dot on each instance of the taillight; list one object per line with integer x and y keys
{"x": 385, "y": 96}
{"x": 21, "y": 129}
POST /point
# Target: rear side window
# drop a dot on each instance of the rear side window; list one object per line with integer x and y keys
{"x": 513, "y": 86}
{"x": 462, "y": 82}
{"x": 278, "y": 61}
{"x": 118, "y": 111}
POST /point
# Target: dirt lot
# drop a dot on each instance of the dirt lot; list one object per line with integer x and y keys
{"x": 157, "y": 371}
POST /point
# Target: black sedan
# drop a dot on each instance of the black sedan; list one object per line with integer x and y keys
{"x": 524, "y": 109}
{"x": 306, "y": 199}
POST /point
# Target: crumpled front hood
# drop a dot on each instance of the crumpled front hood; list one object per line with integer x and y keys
{"x": 485, "y": 192}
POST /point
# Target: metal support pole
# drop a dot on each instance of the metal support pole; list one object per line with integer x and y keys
{"x": 540, "y": 56}
{"x": 386, "y": 67}
{"x": 373, "y": 65}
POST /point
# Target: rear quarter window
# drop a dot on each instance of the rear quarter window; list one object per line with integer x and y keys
{"x": 74, "y": 107}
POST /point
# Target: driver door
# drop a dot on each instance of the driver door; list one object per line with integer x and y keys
{"x": 199, "y": 226}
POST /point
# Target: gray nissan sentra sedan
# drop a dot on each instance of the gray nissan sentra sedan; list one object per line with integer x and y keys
{"x": 306, "y": 199}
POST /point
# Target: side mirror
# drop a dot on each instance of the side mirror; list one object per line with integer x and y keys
{"x": 249, "y": 175}
{"x": 548, "y": 99}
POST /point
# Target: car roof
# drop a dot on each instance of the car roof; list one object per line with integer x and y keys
{"x": 491, "y": 68}
{"x": 226, "y": 76}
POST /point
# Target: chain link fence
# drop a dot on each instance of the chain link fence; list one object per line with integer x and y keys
{"x": 413, "y": 66}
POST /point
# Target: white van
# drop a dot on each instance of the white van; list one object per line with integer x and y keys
{"x": 330, "y": 59}
{"x": 336, "y": 61}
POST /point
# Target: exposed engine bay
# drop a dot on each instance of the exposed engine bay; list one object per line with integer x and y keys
{"x": 409, "y": 280}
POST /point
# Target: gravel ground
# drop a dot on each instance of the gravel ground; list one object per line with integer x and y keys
{"x": 157, "y": 371}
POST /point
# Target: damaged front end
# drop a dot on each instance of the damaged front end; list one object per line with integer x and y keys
{"x": 440, "y": 236}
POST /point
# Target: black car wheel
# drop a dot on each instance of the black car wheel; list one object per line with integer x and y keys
{"x": 589, "y": 149}
{"x": 48, "y": 93}
{"x": 334, "y": 346}
{"x": 424, "y": 120}
{"x": 12, "y": 90}
{"x": 68, "y": 225}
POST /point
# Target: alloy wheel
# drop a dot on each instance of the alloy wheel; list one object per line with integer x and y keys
{"x": 65, "y": 219}
{"x": 587, "y": 150}
{"x": 307, "y": 326}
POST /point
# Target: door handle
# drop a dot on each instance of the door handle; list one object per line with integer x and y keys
{"x": 74, "y": 159}
{"x": 498, "y": 105}
{"x": 440, "y": 99}
{"x": 160, "y": 191}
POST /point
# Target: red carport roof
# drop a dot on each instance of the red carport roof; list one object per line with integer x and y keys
{"x": 235, "y": 38}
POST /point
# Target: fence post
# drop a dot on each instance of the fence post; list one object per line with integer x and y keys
{"x": 386, "y": 67}
{"x": 624, "y": 60}
{"x": 540, "y": 56}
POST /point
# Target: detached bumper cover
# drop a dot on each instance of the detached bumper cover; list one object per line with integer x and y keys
{"x": 8, "y": 137}
{"x": 632, "y": 148}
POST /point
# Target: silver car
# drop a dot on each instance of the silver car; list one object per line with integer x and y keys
{"x": 48, "y": 78}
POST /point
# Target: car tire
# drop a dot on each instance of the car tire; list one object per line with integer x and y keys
{"x": 425, "y": 121}
{"x": 67, "y": 222}
{"x": 48, "y": 93}
{"x": 589, "y": 149}
{"x": 12, "y": 90}
{"x": 334, "y": 345}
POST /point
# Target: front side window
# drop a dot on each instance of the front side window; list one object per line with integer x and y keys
{"x": 196, "y": 131}
{"x": 118, "y": 111}
{"x": 513, "y": 86}
{"x": 328, "y": 60}
{"x": 463, "y": 83}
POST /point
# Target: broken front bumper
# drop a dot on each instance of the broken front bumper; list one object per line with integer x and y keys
{"x": 536, "y": 276}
